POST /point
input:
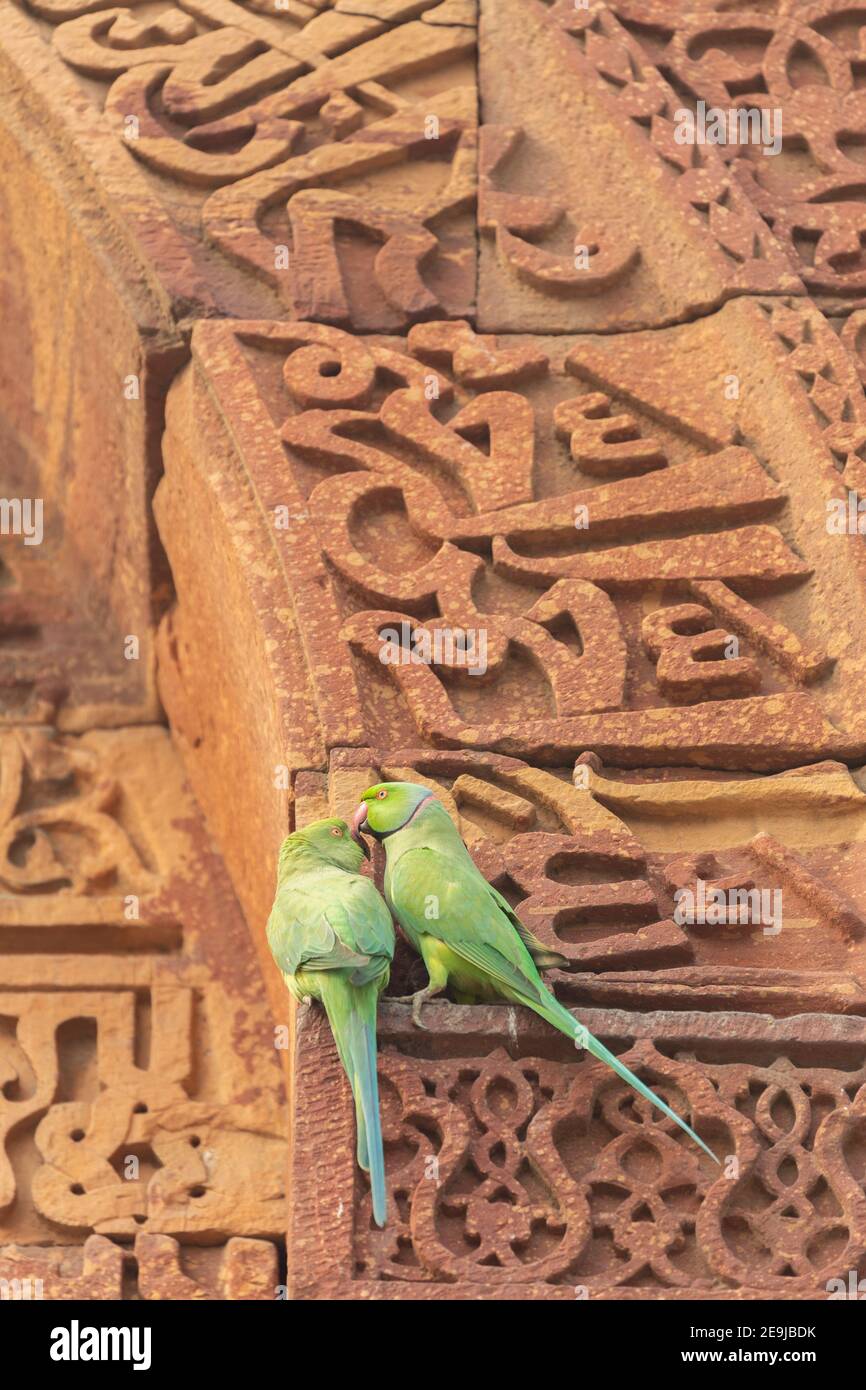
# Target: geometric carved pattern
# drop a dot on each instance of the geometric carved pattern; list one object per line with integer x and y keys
{"x": 318, "y": 163}
{"x": 547, "y": 1172}
{"x": 241, "y": 1269}
{"x": 593, "y": 873}
{"x": 521, "y": 1169}
{"x": 547, "y": 195}
{"x": 31, "y": 762}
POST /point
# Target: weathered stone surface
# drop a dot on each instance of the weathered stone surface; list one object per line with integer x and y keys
{"x": 455, "y": 482}
{"x": 313, "y": 161}
{"x": 591, "y": 215}
{"x": 142, "y": 1092}
{"x": 241, "y": 1269}
{"x": 205, "y": 159}
{"x": 800, "y": 63}
{"x": 88, "y": 347}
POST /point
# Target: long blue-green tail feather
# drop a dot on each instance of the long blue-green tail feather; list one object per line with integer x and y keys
{"x": 605, "y": 1055}
{"x": 559, "y": 1016}
{"x": 368, "y": 1091}
{"x": 356, "y": 1040}
{"x": 362, "y": 1152}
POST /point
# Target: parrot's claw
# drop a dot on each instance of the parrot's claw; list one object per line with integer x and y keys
{"x": 416, "y": 1000}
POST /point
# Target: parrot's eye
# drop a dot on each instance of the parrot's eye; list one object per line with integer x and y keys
{"x": 380, "y": 796}
{"x": 335, "y": 830}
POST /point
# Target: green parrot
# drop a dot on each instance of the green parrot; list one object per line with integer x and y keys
{"x": 332, "y": 937}
{"x": 467, "y": 933}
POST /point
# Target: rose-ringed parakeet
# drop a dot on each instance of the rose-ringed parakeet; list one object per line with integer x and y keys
{"x": 467, "y": 933}
{"x": 332, "y": 937}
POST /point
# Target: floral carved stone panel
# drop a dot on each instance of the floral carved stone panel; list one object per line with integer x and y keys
{"x": 800, "y": 64}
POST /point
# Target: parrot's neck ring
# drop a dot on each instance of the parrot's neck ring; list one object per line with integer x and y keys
{"x": 384, "y": 834}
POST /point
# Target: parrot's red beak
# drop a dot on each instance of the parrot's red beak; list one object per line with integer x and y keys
{"x": 357, "y": 824}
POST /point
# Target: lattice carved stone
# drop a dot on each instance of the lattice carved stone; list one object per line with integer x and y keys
{"x": 800, "y": 64}
{"x": 519, "y": 1170}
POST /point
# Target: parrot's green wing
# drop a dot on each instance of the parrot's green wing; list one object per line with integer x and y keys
{"x": 478, "y": 930}
{"x": 300, "y": 942}
{"x": 329, "y": 921}
{"x": 334, "y": 922}
{"x": 467, "y": 918}
{"x": 545, "y": 958}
